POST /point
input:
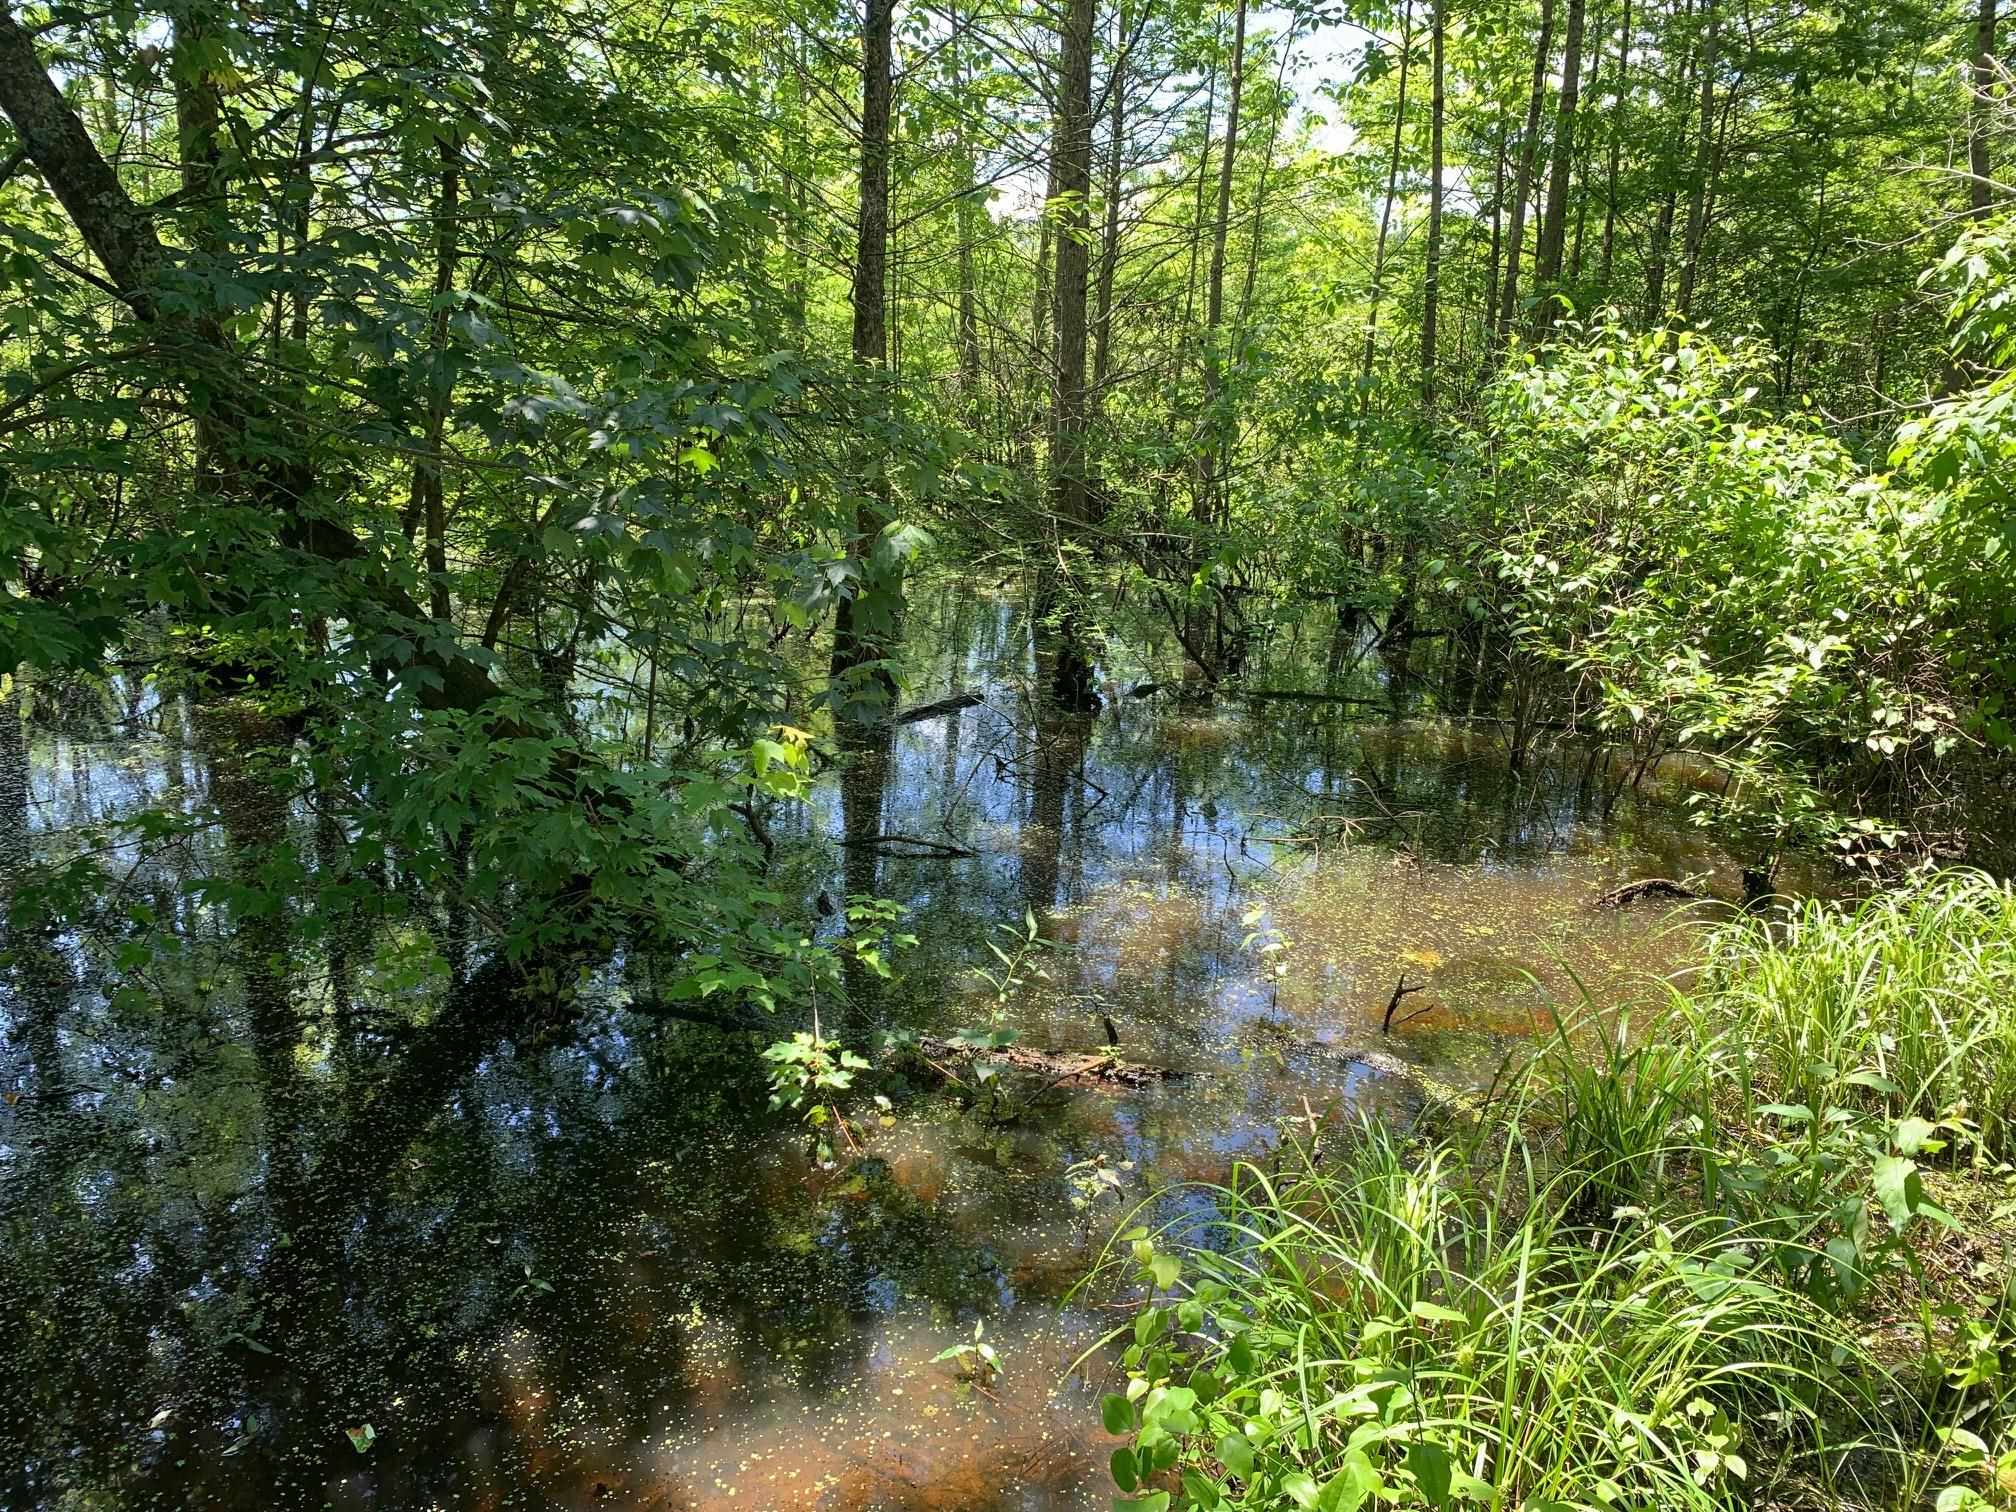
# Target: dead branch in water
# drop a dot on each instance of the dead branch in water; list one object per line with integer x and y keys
{"x": 1080, "y": 1067}
{"x": 1649, "y": 887}
{"x": 1402, "y": 990}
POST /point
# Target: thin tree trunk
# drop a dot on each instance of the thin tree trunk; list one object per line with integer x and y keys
{"x": 1662, "y": 226}
{"x": 1206, "y": 507}
{"x": 1980, "y": 111}
{"x": 1431, "y": 284}
{"x": 1214, "y": 305}
{"x": 426, "y": 503}
{"x": 1197, "y": 224}
{"x": 853, "y": 644}
{"x": 1617, "y": 97}
{"x": 1490, "y": 321}
{"x": 1071, "y": 171}
{"x": 1697, "y": 187}
{"x": 1554, "y": 220}
{"x": 1266, "y": 173}
{"x": 1109, "y": 236}
{"x": 1529, "y": 149}
{"x": 1581, "y": 198}
{"x": 1386, "y": 207}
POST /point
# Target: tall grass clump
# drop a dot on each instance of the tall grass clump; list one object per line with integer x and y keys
{"x": 1904, "y": 1002}
{"x": 1401, "y": 1328}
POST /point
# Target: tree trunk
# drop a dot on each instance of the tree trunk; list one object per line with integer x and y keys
{"x": 1580, "y": 194}
{"x": 856, "y": 644}
{"x": 1662, "y": 225}
{"x": 1490, "y": 321}
{"x": 1617, "y": 95}
{"x": 1980, "y": 112}
{"x": 1431, "y": 284}
{"x": 1071, "y": 170}
{"x": 1214, "y": 288}
{"x": 1529, "y": 148}
{"x": 969, "y": 319}
{"x": 1386, "y": 206}
{"x": 1109, "y": 237}
{"x": 1554, "y": 221}
{"x": 426, "y": 503}
{"x": 1697, "y": 185}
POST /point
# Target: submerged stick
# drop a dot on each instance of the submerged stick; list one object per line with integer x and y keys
{"x": 1402, "y": 990}
{"x": 1058, "y": 1066}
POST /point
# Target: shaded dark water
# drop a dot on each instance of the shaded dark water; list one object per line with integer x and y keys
{"x": 580, "y": 1267}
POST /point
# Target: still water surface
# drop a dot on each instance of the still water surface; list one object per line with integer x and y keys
{"x": 582, "y": 1269}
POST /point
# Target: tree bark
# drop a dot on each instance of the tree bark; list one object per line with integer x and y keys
{"x": 1071, "y": 170}
{"x": 1109, "y": 236}
{"x": 1529, "y": 148}
{"x": 1980, "y": 111}
{"x": 426, "y": 505}
{"x": 1386, "y": 206}
{"x": 1617, "y": 96}
{"x": 855, "y": 644}
{"x": 1214, "y": 285}
{"x": 1431, "y": 284}
{"x": 969, "y": 319}
{"x": 1554, "y": 220}
{"x": 1697, "y": 184}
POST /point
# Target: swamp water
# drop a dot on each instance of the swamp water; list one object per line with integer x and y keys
{"x": 582, "y": 1268}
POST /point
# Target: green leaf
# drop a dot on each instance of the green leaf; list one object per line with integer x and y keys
{"x": 1235, "y": 1453}
{"x": 1165, "y": 1269}
{"x": 1126, "y": 1474}
{"x": 1898, "y": 1188}
{"x": 1117, "y": 1413}
{"x": 1429, "y": 1465}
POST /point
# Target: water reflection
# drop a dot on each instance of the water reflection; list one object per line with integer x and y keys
{"x": 324, "y": 1171}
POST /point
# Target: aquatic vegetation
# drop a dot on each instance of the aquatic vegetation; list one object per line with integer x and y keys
{"x": 1399, "y": 1327}
{"x": 1904, "y": 1002}
{"x": 1636, "y": 1277}
{"x": 807, "y": 1071}
{"x": 976, "y": 1359}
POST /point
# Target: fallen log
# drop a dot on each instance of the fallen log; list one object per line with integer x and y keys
{"x": 910, "y": 847}
{"x": 1059, "y": 1067}
{"x": 942, "y": 707}
{"x": 1649, "y": 887}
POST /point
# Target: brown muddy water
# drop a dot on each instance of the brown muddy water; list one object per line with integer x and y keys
{"x": 583, "y": 1269}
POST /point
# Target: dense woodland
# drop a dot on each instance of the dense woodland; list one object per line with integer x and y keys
{"x": 514, "y": 435}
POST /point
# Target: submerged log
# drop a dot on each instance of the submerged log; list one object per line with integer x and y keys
{"x": 909, "y": 847}
{"x": 941, "y": 708}
{"x": 1649, "y": 887}
{"x": 1059, "y": 1067}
